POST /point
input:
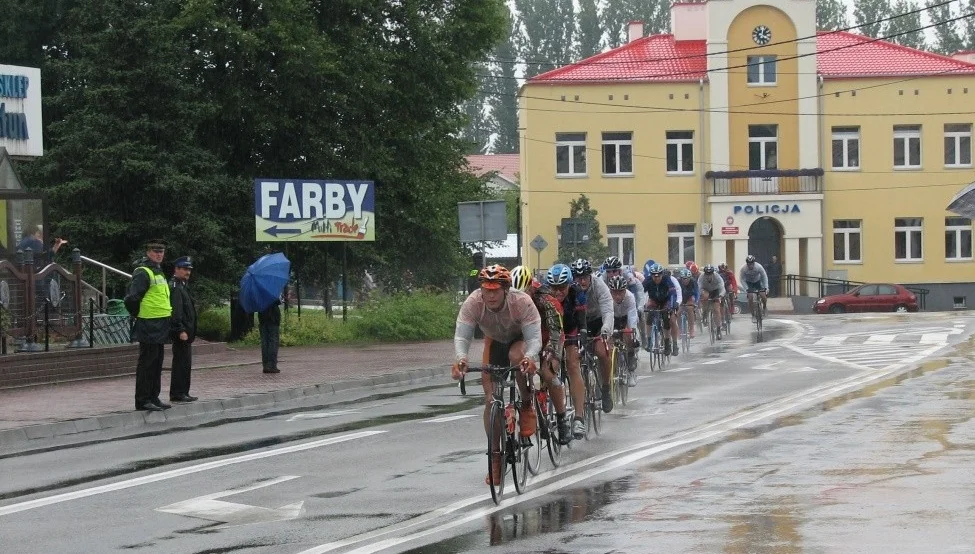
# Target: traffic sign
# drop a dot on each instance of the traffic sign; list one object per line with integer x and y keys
{"x": 539, "y": 243}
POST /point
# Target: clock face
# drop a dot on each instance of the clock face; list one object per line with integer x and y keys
{"x": 762, "y": 35}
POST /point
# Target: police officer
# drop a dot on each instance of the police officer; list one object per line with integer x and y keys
{"x": 184, "y": 330}
{"x": 148, "y": 301}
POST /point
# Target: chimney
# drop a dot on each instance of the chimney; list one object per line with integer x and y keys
{"x": 965, "y": 56}
{"x": 689, "y": 20}
{"x": 634, "y": 30}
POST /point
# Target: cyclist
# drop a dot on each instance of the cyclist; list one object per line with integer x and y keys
{"x": 695, "y": 272}
{"x": 559, "y": 276}
{"x": 753, "y": 276}
{"x": 625, "y": 319}
{"x": 711, "y": 286}
{"x": 549, "y": 305}
{"x": 509, "y": 319}
{"x": 730, "y": 285}
{"x": 599, "y": 320}
{"x": 690, "y": 296}
{"x": 662, "y": 293}
{"x": 614, "y": 266}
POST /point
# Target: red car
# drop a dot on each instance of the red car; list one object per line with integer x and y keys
{"x": 872, "y": 297}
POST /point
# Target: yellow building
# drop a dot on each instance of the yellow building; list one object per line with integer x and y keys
{"x": 745, "y": 131}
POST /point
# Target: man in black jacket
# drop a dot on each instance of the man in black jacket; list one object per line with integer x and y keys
{"x": 148, "y": 302}
{"x": 184, "y": 330}
{"x": 270, "y": 325}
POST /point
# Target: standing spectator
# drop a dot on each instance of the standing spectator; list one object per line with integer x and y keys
{"x": 270, "y": 326}
{"x": 148, "y": 301}
{"x": 774, "y": 276}
{"x": 33, "y": 238}
{"x": 184, "y": 331}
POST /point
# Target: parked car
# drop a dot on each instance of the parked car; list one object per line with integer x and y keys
{"x": 873, "y": 297}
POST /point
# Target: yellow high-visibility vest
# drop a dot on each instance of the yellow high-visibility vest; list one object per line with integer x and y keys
{"x": 155, "y": 304}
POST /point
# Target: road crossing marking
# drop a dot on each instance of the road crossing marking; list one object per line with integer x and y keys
{"x": 445, "y": 419}
{"x": 880, "y": 339}
{"x": 748, "y": 355}
{"x": 322, "y": 415}
{"x": 712, "y": 362}
{"x": 676, "y": 369}
{"x": 770, "y": 365}
{"x": 769, "y": 349}
{"x": 934, "y": 338}
{"x": 831, "y": 340}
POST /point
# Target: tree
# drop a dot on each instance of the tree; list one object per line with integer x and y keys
{"x": 867, "y": 13}
{"x": 908, "y": 27}
{"x": 947, "y": 39}
{"x": 585, "y": 241}
{"x": 503, "y": 98}
{"x": 544, "y": 34}
{"x": 655, "y": 15}
{"x": 968, "y": 27}
{"x": 588, "y": 31}
{"x": 831, "y": 15}
{"x": 477, "y": 131}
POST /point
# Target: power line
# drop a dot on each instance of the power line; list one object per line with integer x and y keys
{"x": 750, "y": 48}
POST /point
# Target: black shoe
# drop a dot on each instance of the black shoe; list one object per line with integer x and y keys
{"x": 160, "y": 404}
{"x": 183, "y": 398}
{"x": 272, "y": 370}
{"x": 674, "y": 349}
{"x": 667, "y": 348}
{"x": 149, "y": 407}
{"x": 565, "y": 431}
{"x": 607, "y": 400}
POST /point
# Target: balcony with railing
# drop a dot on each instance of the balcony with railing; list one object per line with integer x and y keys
{"x": 765, "y": 181}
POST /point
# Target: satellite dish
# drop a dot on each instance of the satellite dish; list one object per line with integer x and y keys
{"x": 4, "y": 294}
{"x": 54, "y": 290}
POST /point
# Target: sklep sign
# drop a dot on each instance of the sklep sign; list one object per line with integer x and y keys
{"x": 20, "y": 111}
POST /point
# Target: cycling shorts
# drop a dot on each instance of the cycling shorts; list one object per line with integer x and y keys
{"x": 688, "y": 299}
{"x": 620, "y": 322}
{"x": 753, "y": 287}
{"x": 497, "y": 353}
{"x": 714, "y": 293}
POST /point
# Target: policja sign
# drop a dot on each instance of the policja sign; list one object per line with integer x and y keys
{"x": 310, "y": 210}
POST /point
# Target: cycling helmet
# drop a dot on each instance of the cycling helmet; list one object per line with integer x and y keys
{"x": 685, "y": 273}
{"x": 612, "y": 263}
{"x": 558, "y": 275}
{"x": 521, "y": 278}
{"x": 688, "y": 264}
{"x": 709, "y": 269}
{"x": 646, "y": 268}
{"x": 581, "y": 267}
{"x": 618, "y": 282}
{"x": 722, "y": 266}
{"x": 750, "y": 259}
{"x": 656, "y": 269}
{"x": 495, "y": 277}
{"x": 693, "y": 268}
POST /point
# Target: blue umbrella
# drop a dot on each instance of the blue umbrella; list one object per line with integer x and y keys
{"x": 263, "y": 282}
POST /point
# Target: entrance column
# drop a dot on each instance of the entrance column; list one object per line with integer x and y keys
{"x": 741, "y": 252}
{"x": 814, "y": 256}
{"x": 792, "y": 257}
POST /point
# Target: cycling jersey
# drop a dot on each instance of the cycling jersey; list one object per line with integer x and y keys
{"x": 626, "y": 309}
{"x": 663, "y": 293}
{"x": 754, "y": 276}
{"x": 730, "y": 284}
{"x": 689, "y": 291}
{"x": 713, "y": 284}
{"x": 518, "y": 317}
{"x": 599, "y": 305}
{"x": 550, "y": 310}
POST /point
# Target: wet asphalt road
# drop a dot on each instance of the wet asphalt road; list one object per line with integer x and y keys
{"x": 833, "y": 434}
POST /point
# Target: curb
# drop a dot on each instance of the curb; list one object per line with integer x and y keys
{"x": 22, "y": 435}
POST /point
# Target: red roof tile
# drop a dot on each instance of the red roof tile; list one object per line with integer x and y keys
{"x": 507, "y": 165}
{"x": 841, "y": 54}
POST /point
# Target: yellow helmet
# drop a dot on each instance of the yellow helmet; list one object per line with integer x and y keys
{"x": 521, "y": 278}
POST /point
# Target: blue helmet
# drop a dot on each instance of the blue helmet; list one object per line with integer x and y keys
{"x": 558, "y": 274}
{"x": 655, "y": 268}
{"x": 646, "y": 268}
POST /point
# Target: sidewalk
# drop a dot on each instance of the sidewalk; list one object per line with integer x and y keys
{"x": 224, "y": 380}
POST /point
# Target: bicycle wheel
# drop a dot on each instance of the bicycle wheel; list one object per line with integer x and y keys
{"x": 497, "y": 441}
{"x": 712, "y": 325}
{"x": 533, "y": 454}
{"x": 595, "y": 398}
{"x": 518, "y": 459}
{"x": 622, "y": 373}
{"x": 658, "y": 348}
{"x": 613, "y": 371}
{"x": 553, "y": 445}
{"x": 727, "y": 317}
{"x": 685, "y": 333}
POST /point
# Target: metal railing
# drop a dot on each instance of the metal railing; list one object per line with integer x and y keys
{"x": 804, "y": 285}
{"x": 106, "y": 269}
{"x": 766, "y": 181}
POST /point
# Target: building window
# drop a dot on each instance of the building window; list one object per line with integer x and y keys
{"x": 680, "y": 243}
{"x": 959, "y": 302}
{"x": 958, "y": 145}
{"x": 846, "y": 240}
{"x": 907, "y": 146}
{"x": 846, "y": 148}
{"x": 958, "y": 238}
{"x": 570, "y": 154}
{"x": 620, "y": 242}
{"x": 618, "y": 153}
{"x": 680, "y": 151}
{"x": 761, "y": 70}
{"x": 907, "y": 239}
{"x": 763, "y": 148}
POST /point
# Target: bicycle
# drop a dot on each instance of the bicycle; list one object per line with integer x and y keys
{"x": 656, "y": 338}
{"x": 758, "y": 311}
{"x": 504, "y": 442}
{"x": 683, "y": 329}
{"x": 620, "y": 367}
{"x": 713, "y": 322}
{"x": 726, "y": 312}
{"x": 547, "y": 432}
{"x": 589, "y": 367}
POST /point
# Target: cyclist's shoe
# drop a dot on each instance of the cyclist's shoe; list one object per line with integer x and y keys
{"x": 526, "y": 442}
{"x": 607, "y": 400}
{"x": 631, "y": 379}
{"x": 579, "y": 428}
{"x": 692, "y": 332}
{"x": 543, "y": 430}
{"x": 565, "y": 431}
{"x": 631, "y": 363}
{"x": 528, "y": 422}
{"x": 719, "y": 334}
{"x": 667, "y": 347}
{"x": 497, "y": 468}
{"x": 674, "y": 349}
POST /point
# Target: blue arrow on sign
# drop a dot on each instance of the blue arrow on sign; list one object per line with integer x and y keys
{"x": 274, "y": 231}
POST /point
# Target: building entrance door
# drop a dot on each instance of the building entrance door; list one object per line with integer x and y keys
{"x": 765, "y": 240}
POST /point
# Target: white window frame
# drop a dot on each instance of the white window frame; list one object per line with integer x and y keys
{"x": 843, "y": 137}
{"x": 685, "y": 239}
{"x": 683, "y": 146}
{"x": 957, "y": 133}
{"x": 845, "y": 233}
{"x": 617, "y": 145}
{"x": 953, "y": 226}
{"x": 906, "y": 134}
{"x": 616, "y": 241}
{"x": 571, "y": 146}
{"x": 764, "y": 142}
{"x": 761, "y": 65}
{"x": 913, "y": 230}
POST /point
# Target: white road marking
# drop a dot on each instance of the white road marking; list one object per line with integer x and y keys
{"x": 748, "y": 355}
{"x": 769, "y": 349}
{"x": 233, "y": 513}
{"x": 322, "y": 415}
{"x": 165, "y": 475}
{"x": 676, "y": 369}
{"x": 712, "y": 362}
{"x": 880, "y": 339}
{"x": 934, "y": 338}
{"x": 770, "y": 365}
{"x": 831, "y": 340}
{"x": 445, "y": 419}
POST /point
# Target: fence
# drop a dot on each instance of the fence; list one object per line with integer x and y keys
{"x": 802, "y": 285}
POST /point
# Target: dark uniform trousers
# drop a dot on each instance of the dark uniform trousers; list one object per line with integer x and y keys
{"x": 148, "y": 373}
{"x": 179, "y": 384}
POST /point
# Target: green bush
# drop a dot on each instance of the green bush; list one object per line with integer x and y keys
{"x": 213, "y": 324}
{"x": 408, "y": 317}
